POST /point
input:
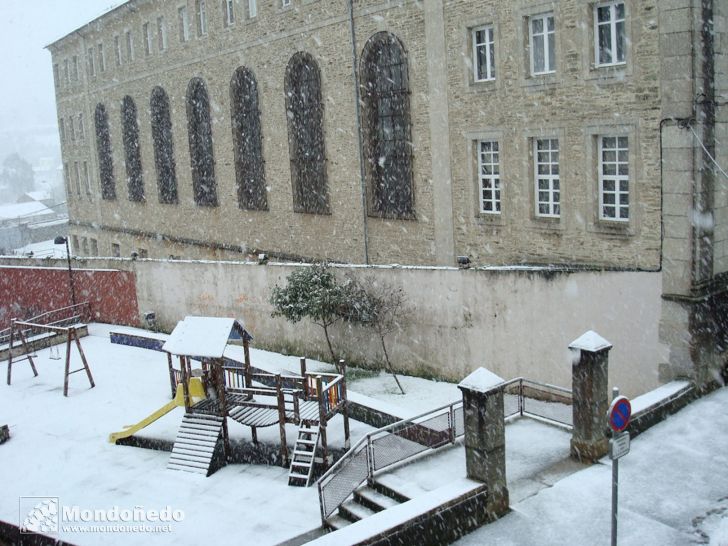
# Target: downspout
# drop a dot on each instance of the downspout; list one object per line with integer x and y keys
{"x": 360, "y": 139}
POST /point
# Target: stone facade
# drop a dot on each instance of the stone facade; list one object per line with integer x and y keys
{"x": 450, "y": 113}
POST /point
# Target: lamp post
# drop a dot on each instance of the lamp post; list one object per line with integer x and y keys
{"x": 64, "y": 240}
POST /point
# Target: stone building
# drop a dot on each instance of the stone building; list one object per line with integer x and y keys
{"x": 576, "y": 132}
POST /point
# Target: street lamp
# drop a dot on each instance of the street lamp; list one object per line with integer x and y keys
{"x": 60, "y": 240}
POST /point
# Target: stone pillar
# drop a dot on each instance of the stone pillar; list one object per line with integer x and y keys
{"x": 590, "y": 385}
{"x": 485, "y": 440}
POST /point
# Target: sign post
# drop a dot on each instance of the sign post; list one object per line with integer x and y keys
{"x": 618, "y": 417}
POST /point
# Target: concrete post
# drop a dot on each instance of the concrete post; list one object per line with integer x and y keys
{"x": 485, "y": 439}
{"x": 590, "y": 385}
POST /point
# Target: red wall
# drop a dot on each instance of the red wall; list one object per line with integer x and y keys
{"x": 30, "y": 291}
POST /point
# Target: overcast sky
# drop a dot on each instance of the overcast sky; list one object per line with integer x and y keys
{"x": 26, "y": 27}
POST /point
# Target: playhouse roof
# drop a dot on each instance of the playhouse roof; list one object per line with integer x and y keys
{"x": 204, "y": 337}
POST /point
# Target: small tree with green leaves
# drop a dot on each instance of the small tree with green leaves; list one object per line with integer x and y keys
{"x": 378, "y": 305}
{"x": 311, "y": 292}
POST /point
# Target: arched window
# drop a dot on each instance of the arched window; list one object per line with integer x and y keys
{"x": 202, "y": 160}
{"x": 163, "y": 146}
{"x": 305, "y": 113}
{"x": 103, "y": 151}
{"x": 132, "y": 153}
{"x": 387, "y": 127}
{"x": 249, "y": 167}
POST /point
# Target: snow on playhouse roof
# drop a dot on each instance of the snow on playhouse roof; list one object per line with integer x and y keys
{"x": 481, "y": 380}
{"x": 204, "y": 337}
{"x": 590, "y": 342}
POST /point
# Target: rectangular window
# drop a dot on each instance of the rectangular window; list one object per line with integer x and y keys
{"x": 542, "y": 39}
{"x": 66, "y": 72}
{"x": 161, "y": 34}
{"x": 84, "y": 246}
{"x": 483, "y": 54}
{"x": 117, "y": 50}
{"x": 129, "y": 46}
{"x": 77, "y": 172}
{"x": 229, "y": 12}
{"x": 546, "y": 167}
{"x": 94, "y": 247}
{"x": 489, "y": 168}
{"x": 62, "y": 130}
{"x": 115, "y": 250}
{"x": 56, "y": 76}
{"x": 81, "y": 128}
{"x": 102, "y": 58}
{"x": 67, "y": 179}
{"x": 201, "y": 18}
{"x": 74, "y": 72}
{"x": 614, "y": 178}
{"x": 86, "y": 178}
{"x": 74, "y": 244}
{"x": 72, "y": 129}
{"x": 147, "y": 39}
{"x": 252, "y": 8}
{"x": 91, "y": 62}
{"x": 184, "y": 23}
{"x": 609, "y": 33}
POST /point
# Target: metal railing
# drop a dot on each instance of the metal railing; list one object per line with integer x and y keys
{"x": 386, "y": 447}
{"x": 523, "y": 396}
{"x": 65, "y": 316}
{"x": 404, "y": 439}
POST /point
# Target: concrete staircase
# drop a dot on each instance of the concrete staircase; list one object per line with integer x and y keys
{"x": 367, "y": 501}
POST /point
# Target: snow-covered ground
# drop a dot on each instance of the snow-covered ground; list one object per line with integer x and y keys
{"x": 674, "y": 488}
{"x": 673, "y": 491}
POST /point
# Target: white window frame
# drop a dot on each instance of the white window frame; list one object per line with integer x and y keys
{"x": 183, "y": 20}
{"x": 228, "y": 12}
{"x": 161, "y": 33}
{"x": 489, "y": 183}
{"x": 129, "y": 39}
{"x": 552, "y": 190}
{"x": 252, "y": 9}
{"x": 91, "y": 62}
{"x": 544, "y": 17}
{"x": 102, "y": 58}
{"x": 488, "y": 48}
{"x": 117, "y": 49}
{"x": 148, "y": 40}
{"x": 612, "y": 23}
{"x": 621, "y": 181}
{"x": 201, "y": 9}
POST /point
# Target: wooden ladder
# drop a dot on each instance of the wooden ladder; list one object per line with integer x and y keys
{"x": 196, "y": 443}
{"x": 304, "y": 455}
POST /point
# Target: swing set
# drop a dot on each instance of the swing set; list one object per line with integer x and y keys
{"x": 22, "y": 335}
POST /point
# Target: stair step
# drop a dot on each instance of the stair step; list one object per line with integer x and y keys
{"x": 374, "y": 499}
{"x": 301, "y": 464}
{"x": 308, "y": 454}
{"x": 202, "y": 458}
{"x": 308, "y": 442}
{"x": 355, "y": 510}
{"x": 186, "y": 462}
{"x": 192, "y": 450}
{"x": 298, "y": 476}
{"x": 195, "y": 439}
{"x": 184, "y": 468}
{"x": 337, "y": 522}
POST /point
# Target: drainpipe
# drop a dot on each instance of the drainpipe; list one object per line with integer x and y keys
{"x": 357, "y": 102}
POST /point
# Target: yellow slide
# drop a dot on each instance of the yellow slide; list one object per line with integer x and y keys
{"x": 197, "y": 393}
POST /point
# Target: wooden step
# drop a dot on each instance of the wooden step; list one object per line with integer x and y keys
{"x": 194, "y": 447}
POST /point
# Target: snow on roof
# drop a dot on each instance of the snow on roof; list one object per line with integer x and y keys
{"x": 591, "y": 342}
{"x": 38, "y": 195}
{"x": 481, "y": 380}
{"x": 205, "y": 337}
{"x": 22, "y": 210}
